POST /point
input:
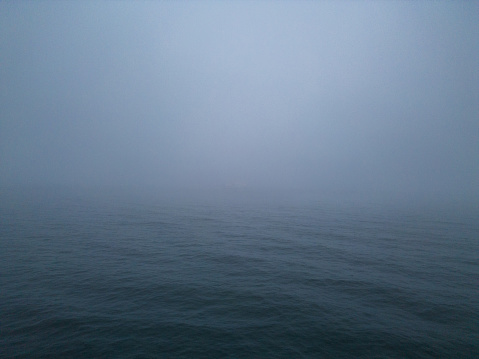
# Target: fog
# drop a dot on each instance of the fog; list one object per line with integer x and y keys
{"x": 335, "y": 98}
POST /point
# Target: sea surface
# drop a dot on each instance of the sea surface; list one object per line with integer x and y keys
{"x": 235, "y": 275}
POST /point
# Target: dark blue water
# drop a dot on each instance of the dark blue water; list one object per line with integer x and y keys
{"x": 87, "y": 276}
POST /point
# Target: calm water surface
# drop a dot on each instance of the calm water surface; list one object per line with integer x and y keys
{"x": 86, "y": 276}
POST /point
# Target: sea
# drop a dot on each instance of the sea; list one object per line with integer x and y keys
{"x": 235, "y": 274}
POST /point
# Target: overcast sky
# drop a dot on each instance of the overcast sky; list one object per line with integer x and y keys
{"x": 338, "y": 97}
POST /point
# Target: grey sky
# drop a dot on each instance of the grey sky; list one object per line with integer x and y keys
{"x": 329, "y": 96}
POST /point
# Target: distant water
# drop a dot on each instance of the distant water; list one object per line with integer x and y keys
{"x": 234, "y": 277}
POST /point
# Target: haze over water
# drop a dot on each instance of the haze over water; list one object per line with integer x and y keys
{"x": 358, "y": 99}
{"x": 239, "y": 179}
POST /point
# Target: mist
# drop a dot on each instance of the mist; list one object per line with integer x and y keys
{"x": 335, "y": 98}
